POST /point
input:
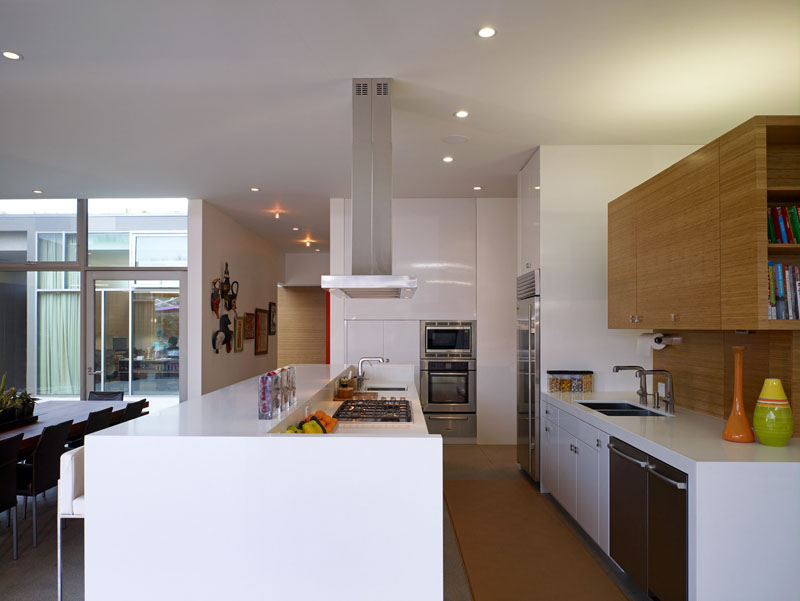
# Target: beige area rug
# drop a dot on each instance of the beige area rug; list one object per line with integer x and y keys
{"x": 516, "y": 548}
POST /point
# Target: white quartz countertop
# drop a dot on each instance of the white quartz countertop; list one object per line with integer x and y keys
{"x": 689, "y": 434}
{"x": 233, "y": 410}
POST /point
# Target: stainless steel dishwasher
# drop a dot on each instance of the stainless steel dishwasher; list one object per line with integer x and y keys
{"x": 648, "y": 526}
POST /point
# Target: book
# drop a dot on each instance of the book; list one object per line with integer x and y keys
{"x": 771, "y": 228}
{"x": 781, "y": 226}
{"x": 795, "y": 223}
{"x": 771, "y": 278}
{"x": 789, "y": 234}
{"x": 796, "y": 291}
{"x": 776, "y": 224}
{"x": 788, "y": 275}
{"x": 780, "y": 292}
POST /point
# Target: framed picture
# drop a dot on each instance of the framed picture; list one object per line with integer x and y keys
{"x": 262, "y": 332}
{"x": 249, "y": 326}
{"x": 238, "y": 335}
{"x": 273, "y": 318}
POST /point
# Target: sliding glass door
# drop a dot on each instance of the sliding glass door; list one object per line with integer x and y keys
{"x": 135, "y": 334}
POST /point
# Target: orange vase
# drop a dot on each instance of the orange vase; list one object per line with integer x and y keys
{"x": 738, "y": 428}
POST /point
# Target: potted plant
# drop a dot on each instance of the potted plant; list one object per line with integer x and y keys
{"x": 14, "y": 405}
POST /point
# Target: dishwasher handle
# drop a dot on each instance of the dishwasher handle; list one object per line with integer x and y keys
{"x": 679, "y": 485}
{"x": 614, "y": 449}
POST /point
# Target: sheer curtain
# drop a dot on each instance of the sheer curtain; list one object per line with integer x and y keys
{"x": 58, "y": 343}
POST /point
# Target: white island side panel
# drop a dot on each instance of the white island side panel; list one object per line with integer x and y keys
{"x": 258, "y": 518}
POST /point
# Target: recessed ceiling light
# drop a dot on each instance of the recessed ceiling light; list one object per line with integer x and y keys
{"x": 308, "y": 243}
{"x": 14, "y": 56}
{"x": 295, "y": 229}
{"x": 462, "y": 114}
{"x": 37, "y": 191}
{"x": 277, "y": 215}
{"x": 448, "y": 159}
{"x": 477, "y": 187}
{"x": 316, "y": 250}
{"x": 487, "y": 32}
{"x": 537, "y": 187}
{"x": 255, "y": 189}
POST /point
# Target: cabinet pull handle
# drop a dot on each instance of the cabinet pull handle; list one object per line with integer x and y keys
{"x": 598, "y": 443}
{"x": 675, "y": 483}
{"x": 614, "y": 449}
{"x": 454, "y": 418}
{"x": 575, "y": 450}
{"x": 547, "y": 412}
{"x": 546, "y": 428}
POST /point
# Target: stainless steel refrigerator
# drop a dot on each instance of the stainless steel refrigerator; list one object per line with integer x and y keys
{"x": 528, "y": 373}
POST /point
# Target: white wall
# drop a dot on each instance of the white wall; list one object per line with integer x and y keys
{"x": 496, "y": 312}
{"x": 434, "y": 240}
{"x": 256, "y": 266}
{"x": 577, "y": 183}
{"x": 305, "y": 269}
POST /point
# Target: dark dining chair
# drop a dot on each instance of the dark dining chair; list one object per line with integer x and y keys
{"x": 133, "y": 410}
{"x": 40, "y": 472}
{"x": 97, "y": 420}
{"x": 9, "y": 451}
{"x": 117, "y": 395}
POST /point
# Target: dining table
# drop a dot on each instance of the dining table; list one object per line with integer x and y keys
{"x": 56, "y": 412}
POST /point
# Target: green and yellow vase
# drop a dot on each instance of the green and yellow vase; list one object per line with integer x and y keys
{"x": 772, "y": 420}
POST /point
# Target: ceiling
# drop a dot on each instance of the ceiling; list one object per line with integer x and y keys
{"x": 206, "y": 99}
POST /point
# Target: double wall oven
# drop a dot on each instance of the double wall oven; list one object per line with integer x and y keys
{"x": 447, "y": 377}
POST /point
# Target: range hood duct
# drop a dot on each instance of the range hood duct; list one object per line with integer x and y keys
{"x": 372, "y": 199}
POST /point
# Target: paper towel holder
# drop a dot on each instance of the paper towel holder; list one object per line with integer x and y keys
{"x": 667, "y": 339}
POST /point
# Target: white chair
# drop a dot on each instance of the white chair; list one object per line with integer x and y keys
{"x": 70, "y": 496}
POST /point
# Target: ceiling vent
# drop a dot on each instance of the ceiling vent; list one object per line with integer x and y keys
{"x": 372, "y": 199}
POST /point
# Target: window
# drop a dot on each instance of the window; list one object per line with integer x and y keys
{"x": 40, "y": 332}
{"x": 137, "y": 232}
{"x": 38, "y": 230}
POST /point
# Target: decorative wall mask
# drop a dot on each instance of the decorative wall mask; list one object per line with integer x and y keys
{"x": 215, "y": 296}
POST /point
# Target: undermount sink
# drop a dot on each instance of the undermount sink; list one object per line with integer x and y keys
{"x": 621, "y": 410}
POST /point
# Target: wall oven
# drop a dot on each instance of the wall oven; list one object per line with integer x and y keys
{"x": 447, "y": 339}
{"x": 447, "y": 386}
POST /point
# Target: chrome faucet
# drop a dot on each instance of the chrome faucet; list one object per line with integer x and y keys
{"x": 669, "y": 399}
{"x": 642, "y": 392}
{"x": 361, "y": 363}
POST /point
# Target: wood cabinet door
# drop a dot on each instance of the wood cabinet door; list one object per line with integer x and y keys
{"x": 678, "y": 245}
{"x": 567, "y": 472}
{"x": 588, "y": 498}
{"x": 622, "y": 261}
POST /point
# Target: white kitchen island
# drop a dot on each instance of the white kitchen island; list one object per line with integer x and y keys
{"x": 205, "y": 501}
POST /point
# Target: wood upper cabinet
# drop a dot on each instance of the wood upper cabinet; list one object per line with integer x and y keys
{"x": 622, "y": 262}
{"x": 663, "y": 248}
{"x": 677, "y": 245}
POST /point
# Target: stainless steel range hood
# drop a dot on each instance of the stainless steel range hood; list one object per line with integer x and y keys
{"x": 372, "y": 199}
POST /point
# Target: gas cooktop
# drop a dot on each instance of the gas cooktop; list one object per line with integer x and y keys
{"x": 383, "y": 410}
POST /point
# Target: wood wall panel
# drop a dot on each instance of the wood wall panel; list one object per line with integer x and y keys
{"x": 302, "y": 324}
{"x": 702, "y": 369}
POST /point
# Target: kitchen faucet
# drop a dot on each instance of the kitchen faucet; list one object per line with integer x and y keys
{"x": 669, "y": 400}
{"x": 361, "y": 363}
{"x": 642, "y": 392}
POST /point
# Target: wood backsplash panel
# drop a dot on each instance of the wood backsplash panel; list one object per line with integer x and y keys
{"x": 697, "y": 370}
{"x": 702, "y": 369}
{"x": 302, "y": 324}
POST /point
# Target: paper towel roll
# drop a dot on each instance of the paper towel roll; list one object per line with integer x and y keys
{"x": 646, "y": 342}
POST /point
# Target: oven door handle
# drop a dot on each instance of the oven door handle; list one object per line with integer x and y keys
{"x": 448, "y": 373}
{"x": 454, "y": 418}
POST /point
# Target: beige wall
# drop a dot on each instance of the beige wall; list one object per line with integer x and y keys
{"x": 215, "y": 238}
{"x": 301, "y": 323}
